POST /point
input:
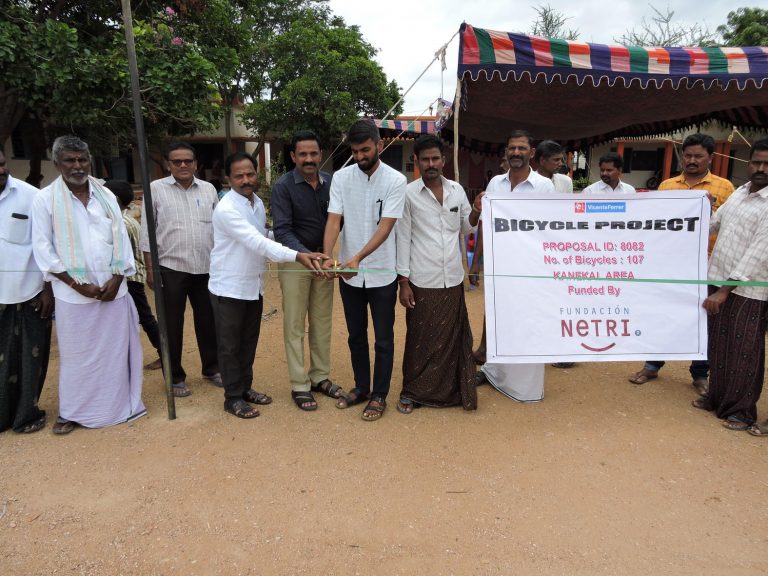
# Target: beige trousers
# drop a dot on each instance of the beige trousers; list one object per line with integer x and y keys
{"x": 306, "y": 298}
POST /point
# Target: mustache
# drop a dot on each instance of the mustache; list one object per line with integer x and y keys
{"x": 310, "y": 164}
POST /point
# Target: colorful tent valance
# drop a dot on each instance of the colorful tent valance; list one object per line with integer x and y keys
{"x": 412, "y": 126}
{"x": 581, "y": 94}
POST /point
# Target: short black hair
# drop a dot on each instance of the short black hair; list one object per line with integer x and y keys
{"x": 303, "y": 135}
{"x": 237, "y": 157}
{"x": 426, "y": 142}
{"x": 759, "y": 146}
{"x": 546, "y": 149}
{"x": 618, "y": 161}
{"x": 363, "y": 130}
{"x": 704, "y": 140}
{"x": 520, "y": 134}
{"x": 122, "y": 189}
{"x": 178, "y": 145}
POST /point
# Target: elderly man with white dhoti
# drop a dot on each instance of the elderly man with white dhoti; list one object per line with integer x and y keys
{"x": 82, "y": 247}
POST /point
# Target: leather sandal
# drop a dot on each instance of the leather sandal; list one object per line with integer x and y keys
{"x": 254, "y": 397}
{"x": 304, "y": 400}
{"x": 374, "y": 409}
{"x": 643, "y": 376}
{"x": 328, "y": 388}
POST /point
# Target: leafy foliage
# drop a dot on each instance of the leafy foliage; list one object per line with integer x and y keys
{"x": 746, "y": 27}
{"x": 320, "y": 75}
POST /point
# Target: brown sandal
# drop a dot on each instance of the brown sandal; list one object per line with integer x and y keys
{"x": 374, "y": 409}
{"x": 354, "y": 396}
{"x": 643, "y": 376}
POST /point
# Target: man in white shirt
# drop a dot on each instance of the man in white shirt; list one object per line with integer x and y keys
{"x": 183, "y": 209}
{"x": 82, "y": 247}
{"x": 611, "y": 165}
{"x": 238, "y": 261}
{"x": 522, "y": 382}
{"x": 438, "y": 369}
{"x": 369, "y": 196}
{"x": 26, "y": 304}
{"x": 550, "y": 157}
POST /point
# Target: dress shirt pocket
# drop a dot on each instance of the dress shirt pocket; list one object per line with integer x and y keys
{"x": 17, "y": 230}
{"x": 204, "y": 210}
{"x": 102, "y": 228}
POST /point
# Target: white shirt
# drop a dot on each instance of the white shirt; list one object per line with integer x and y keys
{"x": 562, "y": 183}
{"x": 363, "y": 202}
{"x": 182, "y": 224}
{"x": 741, "y": 250}
{"x": 20, "y": 278}
{"x": 94, "y": 227}
{"x": 601, "y": 187}
{"x": 241, "y": 248}
{"x": 500, "y": 186}
{"x": 428, "y": 235}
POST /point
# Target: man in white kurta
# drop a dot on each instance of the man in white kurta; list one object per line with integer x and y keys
{"x": 82, "y": 247}
{"x": 611, "y": 166}
{"x": 522, "y": 382}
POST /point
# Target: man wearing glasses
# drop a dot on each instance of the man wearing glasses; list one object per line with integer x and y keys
{"x": 183, "y": 208}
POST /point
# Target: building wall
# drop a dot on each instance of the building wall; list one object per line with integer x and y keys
{"x": 638, "y": 178}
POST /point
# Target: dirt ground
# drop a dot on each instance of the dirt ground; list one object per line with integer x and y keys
{"x": 602, "y": 477}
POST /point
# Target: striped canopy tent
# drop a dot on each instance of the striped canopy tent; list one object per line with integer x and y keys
{"x": 406, "y": 128}
{"x": 582, "y": 94}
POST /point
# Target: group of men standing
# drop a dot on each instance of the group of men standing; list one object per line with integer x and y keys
{"x": 68, "y": 244}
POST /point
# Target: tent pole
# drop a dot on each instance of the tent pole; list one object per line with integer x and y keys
{"x": 456, "y": 107}
{"x": 141, "y": 143}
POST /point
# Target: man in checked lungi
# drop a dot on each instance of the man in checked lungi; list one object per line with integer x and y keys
{"x": 438, "y": 369}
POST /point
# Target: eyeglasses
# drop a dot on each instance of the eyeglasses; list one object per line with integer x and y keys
{"x": 182, "y": 162}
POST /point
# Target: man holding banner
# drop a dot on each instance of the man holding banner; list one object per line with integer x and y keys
{"x": 737, "y": 320}
{"x": 522, "y": 382}
{"x": 698, "y": 152}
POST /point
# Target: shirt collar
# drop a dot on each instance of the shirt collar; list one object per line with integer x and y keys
{"x": 171, "y": 180}
{"x": 681, "y": 178}
{"x": 763, "y": 192}
{"x": 298, "y": 178}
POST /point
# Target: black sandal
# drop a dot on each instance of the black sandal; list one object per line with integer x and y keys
{"x": 241, "y": 409}
{"x": 254, "y": 397}
{"x": 304, "y": 400}
{"x": 354, "y": 396}
{"x": 328, "y": 388}
{"x": 375, "y": 409}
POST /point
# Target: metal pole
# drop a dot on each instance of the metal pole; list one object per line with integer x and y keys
{"x": 141, "y": 143}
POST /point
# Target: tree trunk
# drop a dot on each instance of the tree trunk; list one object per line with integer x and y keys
{"x": 11, "y": 111}
{"x": 33, "y": 137}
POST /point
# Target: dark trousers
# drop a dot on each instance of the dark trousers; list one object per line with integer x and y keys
{"x": 238, "y": 323}
{"x": 698, "y": 368}
{"x": 382, "y": 303}
{"x": 25, "y": 340}
{"x": 177, "y": 287}
{"x": 146, "y": 318}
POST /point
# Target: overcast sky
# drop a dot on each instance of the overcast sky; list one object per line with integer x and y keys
{"x": 407, "y": 33}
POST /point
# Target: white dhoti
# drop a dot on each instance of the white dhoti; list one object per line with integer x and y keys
{"x": 521, "y": 382}
{"x": 100, "y": 373}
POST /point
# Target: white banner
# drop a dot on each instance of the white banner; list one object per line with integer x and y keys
{"x": 596, "y": 277}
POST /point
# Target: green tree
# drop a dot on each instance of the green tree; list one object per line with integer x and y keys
{"x": 320, "y": 75}
{"x": 235, "y": 36}
{"x": 63, "y": 64}
{"x": 550, "y": 23}
{"x": 745, "y": 27}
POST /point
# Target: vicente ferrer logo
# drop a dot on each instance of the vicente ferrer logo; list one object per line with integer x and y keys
{"x": 599, "y": 207}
